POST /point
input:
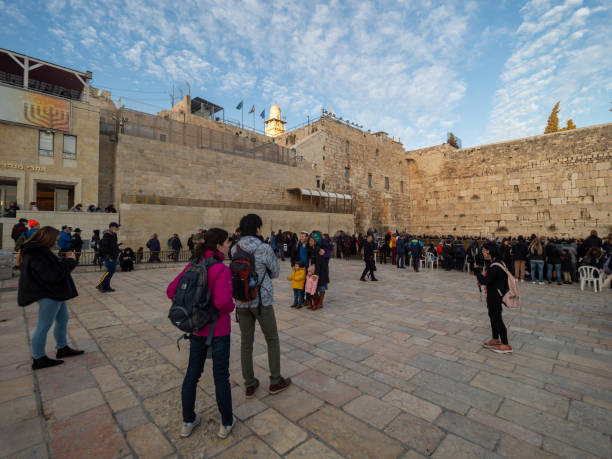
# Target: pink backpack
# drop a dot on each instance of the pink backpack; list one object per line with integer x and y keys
{"x": 512, "y": 298}
{"x": 311, "y": 285}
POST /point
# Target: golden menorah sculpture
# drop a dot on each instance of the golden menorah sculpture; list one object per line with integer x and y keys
{"x": 47, "y": 116}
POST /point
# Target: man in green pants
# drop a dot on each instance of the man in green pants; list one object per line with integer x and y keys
{"x": 260, "y": 309}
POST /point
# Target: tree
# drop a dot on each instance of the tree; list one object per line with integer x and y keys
{"x": 570, "y": 125}
{"x": 452, "y": 140}
{"x": 553, "y": 120}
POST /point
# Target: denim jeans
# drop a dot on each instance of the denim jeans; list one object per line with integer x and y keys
{"x": 298, "y": 296}
{"x": 267, "y": 321}
{"x": 108, "y": 275}
{"x": 49, "y": 311}
{"x": 549, "y": 268}
{"x": 223, "y": 393}
{"x": 539, "y": 265}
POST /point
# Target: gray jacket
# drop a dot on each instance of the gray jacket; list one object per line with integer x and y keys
{"x": 266, "y": 264}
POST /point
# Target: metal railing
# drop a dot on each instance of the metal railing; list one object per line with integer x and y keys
{"x": 91, "y": 258}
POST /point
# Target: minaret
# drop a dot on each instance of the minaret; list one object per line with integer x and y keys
{"x": 275, "y": 126}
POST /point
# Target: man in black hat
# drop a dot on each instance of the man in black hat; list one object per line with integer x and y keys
{"x": 77, "y": 243}
{"x": 109, "y": 251}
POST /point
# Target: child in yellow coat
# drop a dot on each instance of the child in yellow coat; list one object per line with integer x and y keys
{"x": 297, "y": 278}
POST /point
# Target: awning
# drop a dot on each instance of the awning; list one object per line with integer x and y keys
{"x": 321, "y": 193}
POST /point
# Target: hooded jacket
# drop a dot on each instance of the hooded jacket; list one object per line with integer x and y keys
{"x": 266, "y": 266}
{"x": 65, "y": 241}
{"x": 43, "y": 275}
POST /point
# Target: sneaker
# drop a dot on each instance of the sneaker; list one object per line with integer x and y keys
{"x": 189, "y": 426}
{"x": 502, "y": 349}
{"x": 541, "y": 283}
{"x": 299, "y": 306}
{"x": 533, "y": 282}
{"x": 224, "y": 431}
{"x": 280, "y": 386}
{"x": 491, "y": 343}
{"x": 522, "y": 280}
{"x": 293, "y": 305}
{"x": 250, "y": 391}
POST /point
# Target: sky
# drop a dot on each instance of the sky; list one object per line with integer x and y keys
{"x": 486, "y": 70}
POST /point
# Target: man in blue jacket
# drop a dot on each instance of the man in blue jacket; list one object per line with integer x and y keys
{"x": 65, "y": 240}
{"x": 416, "y": 250}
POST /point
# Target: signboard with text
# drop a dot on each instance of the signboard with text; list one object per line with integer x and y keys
{"x": 19, "y": 106}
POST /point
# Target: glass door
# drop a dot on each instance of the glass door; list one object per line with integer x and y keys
{"x": 62, "y": 199}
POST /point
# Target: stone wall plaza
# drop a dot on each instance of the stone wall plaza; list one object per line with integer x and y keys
{"x": 555, "y": 184}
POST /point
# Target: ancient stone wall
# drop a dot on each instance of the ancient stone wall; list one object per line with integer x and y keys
{"x": 557, "y": 184}
{"x": 166, "y": 188}
{"x": 344, "y": 157}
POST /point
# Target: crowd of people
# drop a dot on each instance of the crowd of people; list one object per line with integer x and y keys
{"x": 13, "y": 208}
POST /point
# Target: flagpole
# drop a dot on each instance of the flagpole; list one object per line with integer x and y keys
{"x": 242, "y": 115}
{"x": 253, "y": 120}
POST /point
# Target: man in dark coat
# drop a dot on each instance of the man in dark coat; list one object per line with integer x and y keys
{"x": 369, "y": 258}
{"x": 109, "y": 250}
{"x": 154, "y": 246}
{"x": 77, "y": 243}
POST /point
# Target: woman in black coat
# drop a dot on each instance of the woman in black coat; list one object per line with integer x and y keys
{"x": 321, "y": 267}
{"x": 496, "y": 283}
{"x": 47, "y": 280}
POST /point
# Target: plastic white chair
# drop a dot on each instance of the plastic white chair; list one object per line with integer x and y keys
{"x": 587, "y": 277}
{"x": 430, "y": 260}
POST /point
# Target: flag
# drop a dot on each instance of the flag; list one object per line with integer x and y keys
{"x": 252, "y": 110}
{"x": 263, "y": 114}
{"x": 239, "y": 107}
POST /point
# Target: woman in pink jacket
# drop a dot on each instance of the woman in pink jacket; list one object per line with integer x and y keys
{"x": 216, "y": 245}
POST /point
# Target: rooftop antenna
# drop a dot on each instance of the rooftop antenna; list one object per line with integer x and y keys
{"x": 172, "y": 95}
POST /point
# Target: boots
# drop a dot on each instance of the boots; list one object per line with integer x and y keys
{"x": 320, "y": 302}
{"x": 314, "y": 299}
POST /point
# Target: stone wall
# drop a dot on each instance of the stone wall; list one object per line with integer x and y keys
{"x": 557, "y": 184}
{"x": 330, "y": 147}
{"x": 165, "y": 188}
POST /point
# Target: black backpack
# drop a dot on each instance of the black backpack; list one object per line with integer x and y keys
{"x": 192, "y": 308}
{"x": 245, "y": 285}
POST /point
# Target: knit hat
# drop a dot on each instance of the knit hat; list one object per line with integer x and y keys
{"x": 32, "y": 223}
{"x": 316, "y": 236}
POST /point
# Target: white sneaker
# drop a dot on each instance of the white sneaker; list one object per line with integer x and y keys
{"x": 541, "y": 283}
{"x": 522, "y": 280}
{"x": 533, "y": 282}
{"x": 224, "y": 431}
{"x": 189, "y": 426}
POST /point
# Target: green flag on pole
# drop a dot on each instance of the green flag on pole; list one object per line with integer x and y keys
{"x": 239, "y": 107}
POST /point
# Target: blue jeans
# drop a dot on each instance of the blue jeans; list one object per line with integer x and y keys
{"x": 223, "y": 393}
{"x": 298, "y": 296}
{"x": 549, "y": 268}
{"x": 49, "y": 311}
{"x": 539, "y": 265}
{"x": 110, "y": 264}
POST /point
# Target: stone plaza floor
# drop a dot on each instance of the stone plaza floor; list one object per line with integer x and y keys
{"x": 388, "y": 369}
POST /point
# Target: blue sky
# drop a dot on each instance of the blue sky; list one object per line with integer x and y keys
{"x": 487, "y": 70}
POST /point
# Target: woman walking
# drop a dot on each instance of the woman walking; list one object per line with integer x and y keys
{"x": 321, "y": 267}
{"x": 215, "y": 249}
{"x": 496, "y": 282}
{"x": 47, "y": 279}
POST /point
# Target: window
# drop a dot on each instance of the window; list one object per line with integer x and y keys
{"x": 386, "y": 183}
{"x": 69, "y": 147}
{"x": 45, "y": 143}
{"x": 377, "y": 153}
{"x": 318, "y": 181}
{"x": 369, "y": 180}
{"x": 347, "y": 173}
{"x": 346, "y": 147}
{"x": 402, "y": 186}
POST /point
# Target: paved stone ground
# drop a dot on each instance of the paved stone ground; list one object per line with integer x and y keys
{"x": 387, "y": 369}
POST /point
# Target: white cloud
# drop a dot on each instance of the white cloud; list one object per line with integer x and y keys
{"x": 558, "y": 54}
